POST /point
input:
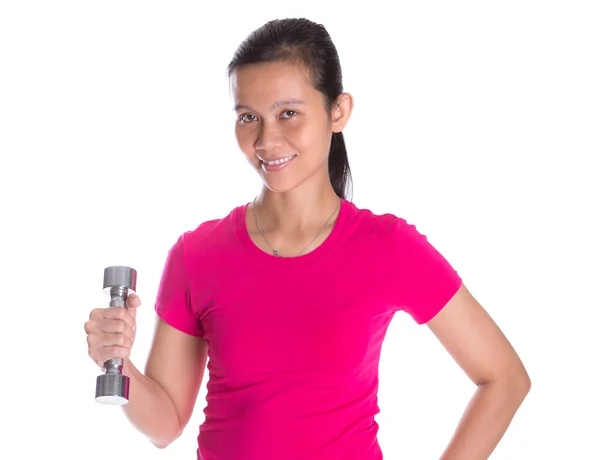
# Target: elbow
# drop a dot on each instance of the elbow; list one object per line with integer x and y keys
{"x": 518, "y": 388}
{"x": 516, "y": 383}
{"x": 160, "y": 444}
{"x": 521, "y": 381}
{"x": 166, "y": 440}
{"x": 163, "y": 443}
{"x": 524, "y": 383}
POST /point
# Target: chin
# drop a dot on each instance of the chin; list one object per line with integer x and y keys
{"x": 280, "y": 184}
{"x": 279, "y": 188}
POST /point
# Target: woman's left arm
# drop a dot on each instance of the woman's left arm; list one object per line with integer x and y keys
{"x": 480, "y": 348}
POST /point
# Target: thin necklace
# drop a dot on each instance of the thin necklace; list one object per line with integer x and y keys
{"x": 275, "y": 251}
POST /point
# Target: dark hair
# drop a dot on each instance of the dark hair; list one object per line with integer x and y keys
{"x": 299, "y": 40}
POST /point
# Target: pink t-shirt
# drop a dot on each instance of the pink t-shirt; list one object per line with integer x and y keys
{"x": 294, "y": 343}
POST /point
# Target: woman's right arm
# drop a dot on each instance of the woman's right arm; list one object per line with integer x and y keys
{"x": 161, "y": 402}
{"x": 162, "y": 399}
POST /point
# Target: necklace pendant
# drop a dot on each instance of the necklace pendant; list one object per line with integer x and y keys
{"x": 275, "y": 252}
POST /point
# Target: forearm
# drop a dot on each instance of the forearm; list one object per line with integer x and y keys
{"x": 150, "y": 409}
{"x": 485, "y": 420}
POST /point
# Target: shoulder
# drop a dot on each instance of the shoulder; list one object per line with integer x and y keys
{"x": 211, "y": 233}
{"x": 388, "y": 232}
{"x": 368, "y": 223}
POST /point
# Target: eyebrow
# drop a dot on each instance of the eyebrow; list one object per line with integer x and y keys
{"x": 274, "y": 106}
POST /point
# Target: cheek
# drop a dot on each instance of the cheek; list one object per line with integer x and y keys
{"x": 245, "y": 139}
{"x": 312, "y": 138}
{"x": 299, "y": 135}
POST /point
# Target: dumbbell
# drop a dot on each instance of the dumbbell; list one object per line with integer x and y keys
{"x": 113, "y": 387}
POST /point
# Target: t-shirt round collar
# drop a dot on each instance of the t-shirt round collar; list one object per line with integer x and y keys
{"x": 241, "y": 231}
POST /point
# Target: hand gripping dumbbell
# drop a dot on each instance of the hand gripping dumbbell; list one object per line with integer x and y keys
{"x": 113, "y": 387}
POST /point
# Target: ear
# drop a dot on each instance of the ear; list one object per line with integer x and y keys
{"x": 341, "y": 111}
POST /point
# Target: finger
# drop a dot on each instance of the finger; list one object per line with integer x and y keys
{"x": 133, "y": 301}
{"x": 103, "y": 354}
{"x": 113, "y": 326}
{"x": 116, "y": 340}
{"x": 99, "y": 347}
{"x": 118, "y": 313}
{"x": 91, "y": 327}
{"x": 107, "y": 339}
{"x": 107, "y": 326}
{"x": 96, "y": 314}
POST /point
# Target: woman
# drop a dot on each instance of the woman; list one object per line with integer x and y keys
{"x": 290, "y": 295}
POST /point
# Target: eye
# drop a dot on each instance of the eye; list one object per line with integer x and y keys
{"x": 246, "y": 118}
{"x": 289, "y": 114}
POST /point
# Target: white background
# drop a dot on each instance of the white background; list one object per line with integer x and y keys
{"x": 477, "y": 122}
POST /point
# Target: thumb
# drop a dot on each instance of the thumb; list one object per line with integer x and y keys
{"x": 133, "y": 302}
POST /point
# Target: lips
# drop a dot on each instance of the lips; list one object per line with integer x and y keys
{"x": 276, "y": 161}
{"x": 271, "y": 165}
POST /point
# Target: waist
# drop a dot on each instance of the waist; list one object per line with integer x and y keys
{"x": 266, "y": 438}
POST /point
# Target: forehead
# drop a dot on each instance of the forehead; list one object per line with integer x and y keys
{"x": 266, "y": 82}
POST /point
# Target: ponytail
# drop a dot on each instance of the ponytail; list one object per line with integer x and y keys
{"x": 339, "y": 167}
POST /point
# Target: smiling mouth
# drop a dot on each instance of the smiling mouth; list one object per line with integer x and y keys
{"x": 277, "y": 162}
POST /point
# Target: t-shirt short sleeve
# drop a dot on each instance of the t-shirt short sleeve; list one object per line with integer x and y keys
{"x": 173, "y": 300}
{"x": 424, "y": 281}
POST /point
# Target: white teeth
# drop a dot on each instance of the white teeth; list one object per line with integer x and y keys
{"x": 280, "y": 161}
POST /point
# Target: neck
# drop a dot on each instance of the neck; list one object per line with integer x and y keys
{"x": 296, "y": 210}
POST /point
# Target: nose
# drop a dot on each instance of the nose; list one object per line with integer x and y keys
{"x": 269, "y": 137}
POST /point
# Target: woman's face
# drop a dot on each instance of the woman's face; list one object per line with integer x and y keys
{"x": 282, "y": 124}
